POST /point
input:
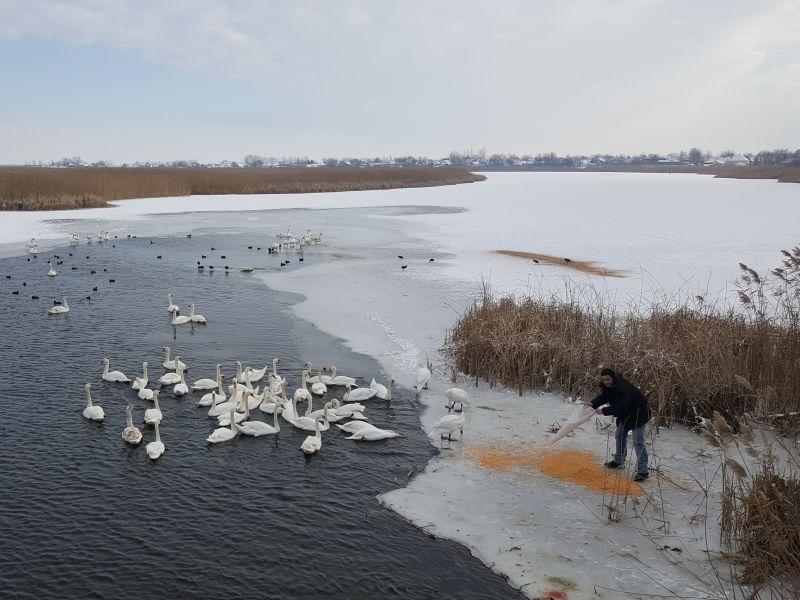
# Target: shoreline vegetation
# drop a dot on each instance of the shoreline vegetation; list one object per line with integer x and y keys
{"x": 36, "y": 188}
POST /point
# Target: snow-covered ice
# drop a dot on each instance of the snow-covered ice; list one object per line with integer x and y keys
{"x": 670, "y": 231}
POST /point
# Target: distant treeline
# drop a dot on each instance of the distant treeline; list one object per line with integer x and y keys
{"x": 33, "y": 188}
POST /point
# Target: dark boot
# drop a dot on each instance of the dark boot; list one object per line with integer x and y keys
{"x": 641, "y": 476}
{"x": 612, "y": 465}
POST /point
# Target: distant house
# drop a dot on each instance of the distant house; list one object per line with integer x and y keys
{"x": 737, "y": 160}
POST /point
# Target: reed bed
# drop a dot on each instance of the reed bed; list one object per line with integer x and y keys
{"x": 33, "y": 188}
{"x": 690, "y": 357}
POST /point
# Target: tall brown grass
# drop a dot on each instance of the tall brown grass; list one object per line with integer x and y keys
{"x": 32, "y": 188}
{"x": 690, "y": 356}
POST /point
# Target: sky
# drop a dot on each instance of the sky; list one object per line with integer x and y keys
{"x": 134, "y": 80}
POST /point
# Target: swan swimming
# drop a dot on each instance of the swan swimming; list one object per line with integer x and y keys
{"x": 340, "y": 379}
{"x": 220, "y": 408}
{"x": 59, "y": 309}
{"x": 117, "y": 376}
{"x": 173, "y": 378}
{"x": 373, "y": 434}
{"x": 313, "y": 443}
{"x": 131, "y": 433}
{"x": 302, "y": 392}
{"x": 155, "y": 449}
{"x": 358, "y": 394}
{"x": 208, "y": 384}
{"x": 338, "y": 411}
{"x": 196, "y": 318}
{"x": 271, "y": 401}
{"x": 141, "y": 382}
{"x": 308, "y": 423}
{"x": 219, "y": 393}
{"x": 354, "y": 426}
{"x": 224, "y": 434}
{"x": 93, "y": 412}
{"x": 172, "y": 365}
{"x": 178, "y": 319}
{"x": 384, "y": 392}
{"x": 258, "y": 428}
{"x": 153, "y": 415}
{"x": 180, "y": 389}
{"x": 145, "y": 394}
{"x": 51, "y": 272}
{"x": 173, "y": 308}
{"x": 320, "y": 377}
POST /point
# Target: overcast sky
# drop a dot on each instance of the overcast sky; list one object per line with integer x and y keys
{"x": 211, "y": 79}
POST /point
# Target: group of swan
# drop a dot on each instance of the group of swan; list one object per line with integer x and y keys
{"x": 178, "y": 319}
{"x": 289, "y": 240}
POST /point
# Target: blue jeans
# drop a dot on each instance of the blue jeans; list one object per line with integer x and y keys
{"x": 638, "y": 444}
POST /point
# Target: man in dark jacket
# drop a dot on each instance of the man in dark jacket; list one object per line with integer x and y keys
{"x": 619, "y": 398}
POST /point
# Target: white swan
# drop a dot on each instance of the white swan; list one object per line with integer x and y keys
{"x": 340, "y": 379}
{"x": 208, "y": 384}
{"x": 131, "y": 433}
{"x": 258, "y": 428}
{"x": 196, "y": 318}
{"x": 271, "y": 401}
{"x": 320, "y": 377}
{"x": 178, "y": 319}
{"x": 117, "y": 376}
{"x": 173, "y": 378}
{"x": 220, "y": 408}
{"x": 257, "y": 375}
{"x": 250, "y": 400}
{"x": 153, "y": 415}
{"x": 456, "y": 398}
{"x": 358, "y": 394}
{"x": 240, "y": 376}
{"x": 423, "y": 377}
{"x": 302, "y": 392}
{"x": 173, "y": 308}
{"x": 225, "y": 419}
{"x": 384, "y": 392}
{"x": 51, "y": 272}
{"x": 313, "y": 443}
{"x": 308, "y": 423}
{"x": 447, "y": 426}
{"x": 318, "y": 388}
{"x": 180, "y": 389}
{"x": 328, "y": 413}
{"x": 93, "y": 412}
{"x": 172, "y": 365}
{"x": 373, "y": 434}
{"x": 219, "y": 393}
{"x": 354, "y": 426}
{"x": 338, "y": 412}
{"x": 59, "y": 309}
{"x": 145, "y": 394}
{"x": 141, "y": 382}
{"x": 156, "y": 449}
{"x": 224, "y": 434}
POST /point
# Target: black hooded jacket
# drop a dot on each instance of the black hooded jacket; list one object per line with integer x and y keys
{"x": 625, "y": 402}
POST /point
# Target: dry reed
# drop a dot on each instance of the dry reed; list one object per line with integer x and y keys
{"x": 32, "y": 188}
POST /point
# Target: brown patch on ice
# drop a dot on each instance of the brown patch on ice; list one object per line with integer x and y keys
{"x": 584, "y": 266}
{"x": 340, "y": 256}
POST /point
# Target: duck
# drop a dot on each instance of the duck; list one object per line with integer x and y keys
{"x": 373, "y": 434}
{"x": 384, "y": 392}
{"x": 172, "y": 307}
{"x": 423, "y": 377}
{"x": 59, "y": 309}
{"x": 196, "y": 318}
{"x": 208, "y": 384}
{"x": 259, "y": 428}
{"x": 358, "y": 394}
{"x": 224, "y": 434}
{"x": 172, "y": 365}
{"x": 313, "y": 443}
{"x": 116, "y": 376}
{"x": 447, "y": 426}
{"x": 340, "y": 379}
{"x": 302, "y": 392}
{"x": 141, "y": 382}
{"x": 153, "y": 415}
{"x": 180, "y": 389}
{"x": 178, "y": 319}
{"x": 51, "y": 272}
{"x": 131, "y": 433}
{"x": 155, "y": 449}
{"x": 456, "y": 398}
{"x": 93, "y": 412}
{"x": 219, "y": 393}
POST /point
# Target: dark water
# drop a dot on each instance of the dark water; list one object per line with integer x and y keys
{"x": 83, "y": 515}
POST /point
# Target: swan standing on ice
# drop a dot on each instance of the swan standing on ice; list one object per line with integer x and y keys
{"x": 173, "y": 308}
{"x": 59, "y": 309}
{"x": 153, "y": 415}
{"x": 423, "y": 377}
{"x": 172, "y": 365}
{"x": 384, "y": 392}
{"x": 456, "y": 399}
{"x": 358, "y": 394}
{"x": 93, "y": 412}
{"x": 224, "y": 434}
{"x": 370, "y": 433}
{"x": 218, "y": 394}
{"x": 180, "y": 389}
{"x": 131, "y": 433}
{"x": 208, "y": 384}
{"x": 258, "y": 428}
{"x": 312, "y": 443}
{"x": 117, "y": 376}
{"x": 447, "y": 426}
{"x": 196, "y": 318}
{"x": 51, "y": 272}
{"x": 155, "y": 449}
{"x": 340, "y": 379}
{"x": 140, "y": 383}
